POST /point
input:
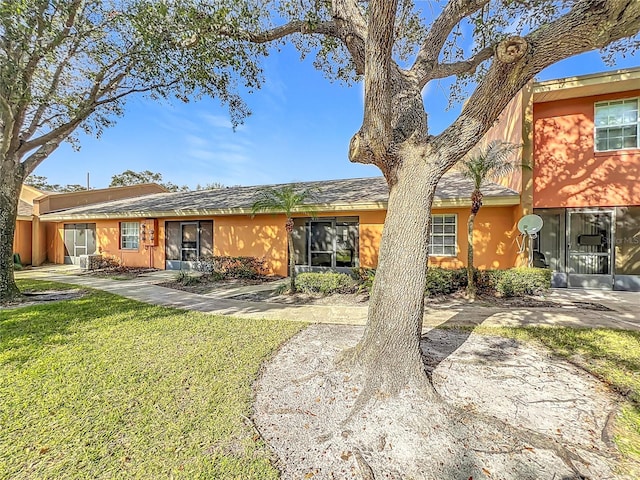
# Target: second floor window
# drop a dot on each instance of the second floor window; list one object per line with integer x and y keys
{"x": 616, "y": 125}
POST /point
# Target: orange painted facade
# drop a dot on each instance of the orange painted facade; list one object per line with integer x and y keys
{"x": 264, "y": 236}
{"x": 22, "y": 241}
{"x": 554, "y": 124}
{"x": 568, "y": 172}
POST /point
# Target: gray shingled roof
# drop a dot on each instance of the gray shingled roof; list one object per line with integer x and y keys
{"x": 24, "y": 209}
{"x": 330, "y": 192}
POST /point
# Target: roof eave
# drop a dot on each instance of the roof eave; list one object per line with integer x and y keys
{"x": 495, "y": 201}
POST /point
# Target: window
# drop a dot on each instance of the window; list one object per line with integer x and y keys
{"x": 442, "y": 242}
{"x": 326, "y": 242}
{"x": 616, "y": 125}
{"x": 129, "y": 235}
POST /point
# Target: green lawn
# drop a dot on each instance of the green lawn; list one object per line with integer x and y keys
{"x": 106, "y": 387}
{"x": 611, "y": 355}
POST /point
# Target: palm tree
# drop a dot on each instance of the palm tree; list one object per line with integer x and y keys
{"x": 287, "y": 199}
{"x": 492, "y": 161}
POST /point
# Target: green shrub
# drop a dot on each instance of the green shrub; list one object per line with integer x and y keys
{"x": 487, "y": 280}
{"x": 517, "y": 282}
{"x": 232, "y": 267}
{"x": 325, "y": 283}
{"x": 442, "y": 281}
{"x": 364, "y": 276}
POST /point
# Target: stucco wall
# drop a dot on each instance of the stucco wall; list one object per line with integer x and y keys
{"x": 510, "y": 127}
{"x": 567, "y": 171}
{"x": 22, "y": 241}
{"x": 265, "y": 236}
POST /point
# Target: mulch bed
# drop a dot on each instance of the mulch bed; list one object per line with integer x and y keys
{"x": 206, "y": 284}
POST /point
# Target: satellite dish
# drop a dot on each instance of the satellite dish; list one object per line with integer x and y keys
{"x": 530, "y": 224}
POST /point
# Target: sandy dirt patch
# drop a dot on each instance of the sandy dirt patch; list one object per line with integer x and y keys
{"x": 48, "y": 296}
{"x": 510, "y": 411}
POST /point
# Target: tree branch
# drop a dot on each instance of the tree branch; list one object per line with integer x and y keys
{"x": 36, "y": 158}
{"x": 443, "y": 70}
{"x": 36, "y": 56}
{"x": 277, "y": 33}
{"x": 377, "y": 89}
{"x": 430, "y": 49}
{"x": 589, "y": 25}
{"x": 55, "y": 81}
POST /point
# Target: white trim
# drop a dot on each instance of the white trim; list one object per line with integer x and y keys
{"x": 129, "y": 235}
{"x": 596, "y": 127}
{"x": 444, "y": 234}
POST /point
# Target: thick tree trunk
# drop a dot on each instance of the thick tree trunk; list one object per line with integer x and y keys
{"x": 9, "y": 195}
{"x": 292, "y": 263}
{"x": 471, "y": 280}
{"x": 390, "y": 348}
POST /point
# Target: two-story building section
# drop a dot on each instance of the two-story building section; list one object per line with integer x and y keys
{"x": 586, "y": 173}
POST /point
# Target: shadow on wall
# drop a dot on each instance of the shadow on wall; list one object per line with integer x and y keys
{"x": 369, "y": 247}
{"x": 568, "y": 173}
{"x": 261, "y": 241}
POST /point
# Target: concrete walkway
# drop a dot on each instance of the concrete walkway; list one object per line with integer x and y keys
{"x": 624, "y": 313}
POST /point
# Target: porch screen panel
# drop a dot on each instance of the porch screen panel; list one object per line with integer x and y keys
{"x": 69, "y": 240}
{"x": 172, "y": 242}
{"x": 189, "y": 242}
{"x": 81, "y": 239}
{"x": 628, "y": 241}
{"x": 91, "y": 238}
{"x": 300, "y": 247}
{"x": 347, "y": 241}
{"x": 206, "y": 238}
{"x": 590, "y": 243}
{"x": 321, "y": 244}
{"x": 550, "y": 240}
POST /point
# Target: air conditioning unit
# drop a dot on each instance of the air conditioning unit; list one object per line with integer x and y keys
{"x": 89, "y": 262}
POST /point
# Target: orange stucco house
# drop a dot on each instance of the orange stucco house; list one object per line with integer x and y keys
{"x": 173, "y": 230}
{"x": 581, "y": 157}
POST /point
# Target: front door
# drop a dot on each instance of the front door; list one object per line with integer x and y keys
{"x": 187, "y": 243}
{"x": 589, "y": 248}
{"x": 321, "y": 246}
{"x": 79, "y": 239}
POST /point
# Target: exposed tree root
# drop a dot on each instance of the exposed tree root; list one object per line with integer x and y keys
{"x": 306, "y": 409}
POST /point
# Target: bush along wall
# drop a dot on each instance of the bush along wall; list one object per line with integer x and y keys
{"x": 231, "y": 267}
{"x": 515, "y": 282}
{"x": 326, "y": 283}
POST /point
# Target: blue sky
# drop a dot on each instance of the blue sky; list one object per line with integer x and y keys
{"x": 299, "y": 130}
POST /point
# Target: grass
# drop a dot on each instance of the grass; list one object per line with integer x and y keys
{"x": 106, "y": 387}
{"x": 611, "y": 355}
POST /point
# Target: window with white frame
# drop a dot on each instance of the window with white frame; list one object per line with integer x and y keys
{"x": 442, "y": 242}
{"x": 617, "y": 125}
{"x": 129, "y": 235}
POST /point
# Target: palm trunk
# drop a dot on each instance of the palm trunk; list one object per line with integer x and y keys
{"x": 390, "y": 348}
{"x": 471, "y": 279}
{"x": 9, "y": 196}
{"x": 292, "y": 263}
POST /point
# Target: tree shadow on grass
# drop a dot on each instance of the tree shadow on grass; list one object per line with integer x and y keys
{"x": 26, "y": 331}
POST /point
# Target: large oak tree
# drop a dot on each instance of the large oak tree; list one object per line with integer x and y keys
{"x": 495, "y": 48}
{"x": 69, "y": 65}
